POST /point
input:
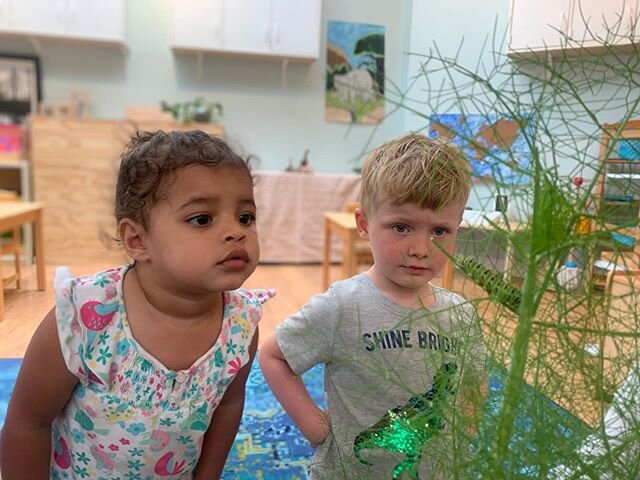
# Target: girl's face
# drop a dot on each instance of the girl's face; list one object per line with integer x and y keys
{"x": 402, "y": 242}
{"x": 202, "y": 235}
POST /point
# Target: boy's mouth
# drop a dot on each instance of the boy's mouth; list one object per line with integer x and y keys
{"x": 416, "y": 268}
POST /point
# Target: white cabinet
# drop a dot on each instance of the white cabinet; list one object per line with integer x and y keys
{"x": 247, "y": 26}
{"x": 296, "y": 27}
{"x": 4, "y": 14}
{"x": 538, "y": 24}
{"x": 197, "y": 23}
{"x": 92, "y": 20}
{"x": 543, "y": 25}
{"x": 96, "y": 19}
{"x": 36, "y": 16}
{"x": 272, "y": 28}
{"x": 595, "y": 21}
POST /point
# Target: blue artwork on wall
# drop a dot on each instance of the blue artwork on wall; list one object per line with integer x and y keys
{"x": 494, "y": 145}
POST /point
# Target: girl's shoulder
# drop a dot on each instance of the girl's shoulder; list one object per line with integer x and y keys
{"x": 243, "y": 299}
{"x": 89, "y": 311}
{"x": 91, "y": 299}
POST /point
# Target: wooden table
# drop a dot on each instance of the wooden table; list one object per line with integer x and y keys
{"x": 343, "y": 224}
{"x": 14, "y": 215}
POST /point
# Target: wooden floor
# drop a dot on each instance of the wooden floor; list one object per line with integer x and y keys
{"x": 25, "y": 308}
{"x": 295, "y": 284}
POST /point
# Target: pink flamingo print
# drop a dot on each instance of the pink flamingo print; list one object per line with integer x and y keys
{"x": 157, "y": 440}
{"x": 96, "y": 316}
{"x": 104, "y": 461}
{"x": 61, "y": 454}
{"x": 163, "y": 467}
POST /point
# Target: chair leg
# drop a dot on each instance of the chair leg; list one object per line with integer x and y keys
{"x": 17, "y": 240}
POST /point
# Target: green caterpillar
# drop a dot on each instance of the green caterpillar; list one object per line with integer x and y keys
{"x": 501, "y": 291}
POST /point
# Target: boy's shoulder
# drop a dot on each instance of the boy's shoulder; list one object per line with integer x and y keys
{"x": 447, "y": 296}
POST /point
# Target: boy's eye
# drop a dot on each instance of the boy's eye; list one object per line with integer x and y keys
{"x": 400, "y": 228}
{"x": 439, "y": 232}
{"x": 247, "y": 219}
{"x": 201, "y": 220}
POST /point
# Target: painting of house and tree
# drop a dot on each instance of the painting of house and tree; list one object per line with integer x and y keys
{"x": 355, "y": 73}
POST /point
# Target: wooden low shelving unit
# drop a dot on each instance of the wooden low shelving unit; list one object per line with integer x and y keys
{"x": 74, "y": 166}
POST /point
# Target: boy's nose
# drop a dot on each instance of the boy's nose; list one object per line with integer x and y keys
{"x": 422, "y": 245}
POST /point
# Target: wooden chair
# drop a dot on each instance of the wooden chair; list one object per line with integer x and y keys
{"x": 12, "y": 246}
{"x": 11, "y": 243}
{"x": 362, "y": 247}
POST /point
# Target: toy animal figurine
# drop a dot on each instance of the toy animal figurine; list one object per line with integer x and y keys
{"x": 408, "y": 428}
{"x": 305, "y": 167}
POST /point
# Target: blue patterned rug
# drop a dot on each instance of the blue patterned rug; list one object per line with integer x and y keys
{"x": 269, "y": 447}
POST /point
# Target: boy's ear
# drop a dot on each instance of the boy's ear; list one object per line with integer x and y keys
{"x": 362, "y": 223}
{"x": 132, "y": 237}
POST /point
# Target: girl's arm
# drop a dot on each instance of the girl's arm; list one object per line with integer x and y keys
{"x": 42, "y": 389}
{"x": 292, "y": 393}
{"x": 224, "y": 423}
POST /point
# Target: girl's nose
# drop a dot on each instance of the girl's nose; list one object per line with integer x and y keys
{"x": 234, "y": 232}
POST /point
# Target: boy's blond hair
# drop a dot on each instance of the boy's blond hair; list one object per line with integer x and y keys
{"x": 415, "y": 169}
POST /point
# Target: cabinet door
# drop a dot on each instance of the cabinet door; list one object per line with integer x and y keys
{"x": 4, "y": 14}
{"x": 536, "y": 24}
{"x": 45, "y": 17}
{"x": 595, "y": 21}
{"x": 197, "y": 23}
{"x": 296, "y": 28}
{"x": 247, "y": 26}
{"x": 96, "y": 19}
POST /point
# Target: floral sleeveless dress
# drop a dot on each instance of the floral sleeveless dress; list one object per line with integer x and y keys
{"x": 129, "y": 417}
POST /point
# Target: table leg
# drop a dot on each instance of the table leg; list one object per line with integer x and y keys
{"x": 351, "y": 260}
{"x": 325, "y": 255}
{"x": 447, "y": 275}
{"x": 39, "y": 244}
{"x": 346, "y": 256}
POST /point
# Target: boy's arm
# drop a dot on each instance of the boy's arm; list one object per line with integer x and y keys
{"x": 225, "y": 423}
{"x": 42, "y": 389}
{"x": 292, "y": 393}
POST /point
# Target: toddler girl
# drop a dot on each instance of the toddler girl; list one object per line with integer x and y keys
{"x": 139, "y": 371}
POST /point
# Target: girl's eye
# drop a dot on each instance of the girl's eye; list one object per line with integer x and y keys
{"x": 247, "y": 219}
{"x": 201, "y": 220}
{"x": 439, "y": 232}
{"x": 400, "y": 228}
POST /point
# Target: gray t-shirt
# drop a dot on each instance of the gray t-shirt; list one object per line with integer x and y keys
{"x": 378, "y": 355}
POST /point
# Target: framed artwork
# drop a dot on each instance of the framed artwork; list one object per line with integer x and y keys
{"x": 20, "y": 90}
{"x": 495, "y": 145}
{"x": 355, "y": 73}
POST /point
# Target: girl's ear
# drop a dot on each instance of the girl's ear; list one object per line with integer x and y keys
{"x": 362, "y": 223}
{"x": 132, "y": 238}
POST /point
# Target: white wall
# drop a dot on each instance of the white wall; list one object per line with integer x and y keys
{"x": 263, "y": 116}
{"x": 475, "y": 33}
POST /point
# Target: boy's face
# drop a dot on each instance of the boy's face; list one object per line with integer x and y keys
{"x": 202, "y": 236}
{"x": 402, "y": 242}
